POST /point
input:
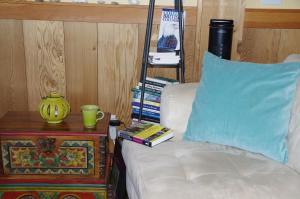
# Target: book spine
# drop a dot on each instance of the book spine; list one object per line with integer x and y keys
{"x": 158, "y": 88}
{"x": 158, "y": 80}
{"x": 149, "y": 140}
{"x": 124, "y": 135}
{"x": 131, "y": 138}
{"x": 137, "y": 140}
{"x": 147, "y": 96}
{"x": 149, "y": 91}
{"x": 146, "y": 118}
{"x": 146, "y": 102}
{"x": 137, "y": 104}
{"x": 147, "y": 113}
{"x": 155, "y": 83}
{"x": 145, "y": 109}
{"x": 169, "y": 80}
{"x": 136, "y": 120}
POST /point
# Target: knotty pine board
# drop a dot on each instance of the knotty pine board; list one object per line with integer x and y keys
{"x": 289, "y": 43}
{"x": 117, "y": 67}
{"x": 45, "y": 62}
{"x": 260, "y": 45}
{"x": 214, "y": 9}
{"x": 81, "y": 63}
{"x": 12, "y": 67}
{"x": 5, "y": 64}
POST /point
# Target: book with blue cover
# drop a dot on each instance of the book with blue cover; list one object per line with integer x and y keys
{"x": 147, "y": 113}
{"x": 148, "y": 106}
{"x": 168, "y": 38}
{"x": 136, "y": 93}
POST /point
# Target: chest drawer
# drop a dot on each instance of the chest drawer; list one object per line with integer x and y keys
{"x": 53, "y": 156}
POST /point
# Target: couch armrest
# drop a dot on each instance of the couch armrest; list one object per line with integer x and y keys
{"x": 176, "y": 106}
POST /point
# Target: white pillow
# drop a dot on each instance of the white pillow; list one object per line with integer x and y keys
{"x": 294, "y": 127}
{"x": 176, "y": 106}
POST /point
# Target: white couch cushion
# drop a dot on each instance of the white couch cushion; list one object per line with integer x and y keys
{"x": 189, "y": 170}
{"x": 176, "y": 106}
{"x": 294, "y": 127}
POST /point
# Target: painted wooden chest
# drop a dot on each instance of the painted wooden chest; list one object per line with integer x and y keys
{"x": 33, "y": 151}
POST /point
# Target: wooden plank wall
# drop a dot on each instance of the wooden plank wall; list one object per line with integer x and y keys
{"x": 93, "y": 62}
{"x": 269, "y": 45}
{"x": 96, "y": 61}
{"x": 215, "y": 9}
{"x": 99, "y": 62}
{"x": 13, "y": 81}
{"x": 270, "y": 35}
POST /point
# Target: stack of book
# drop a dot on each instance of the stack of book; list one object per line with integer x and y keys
{"x": 163, "y": 58}
{"x": 152, "y": 95}
{"x": 146, "y": 133}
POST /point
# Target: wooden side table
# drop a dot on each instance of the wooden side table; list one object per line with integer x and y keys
{"x": 118, "y": 173}
{"x": 37, "y": 154}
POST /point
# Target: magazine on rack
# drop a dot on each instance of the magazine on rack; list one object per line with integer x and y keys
{"x": 168, "y": 38}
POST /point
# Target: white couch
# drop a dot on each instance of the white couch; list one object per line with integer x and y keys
{"x": 180, "y": 169}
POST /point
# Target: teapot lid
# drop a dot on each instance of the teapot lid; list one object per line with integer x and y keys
{"x": 54, "y": 94}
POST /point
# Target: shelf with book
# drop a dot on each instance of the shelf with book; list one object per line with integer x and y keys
{"x": 170, "y": 51}
{"x": 152, "y": 98}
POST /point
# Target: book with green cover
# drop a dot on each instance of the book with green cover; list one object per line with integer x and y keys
{"x": 148, "y": 134}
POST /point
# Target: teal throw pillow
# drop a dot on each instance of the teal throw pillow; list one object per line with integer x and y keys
{"x": 244, "y": 105}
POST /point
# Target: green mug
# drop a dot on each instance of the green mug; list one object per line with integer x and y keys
{"x": 90, "y": 115}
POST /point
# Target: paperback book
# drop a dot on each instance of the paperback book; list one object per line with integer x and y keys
{"x": 146, "y": 133}
{"x": 148, "y": 90}
{"x": 163, "y": 58}
{"x": 168, "y": 38}
{"x": 138, "y": 100}
{"x": 145, "y": 118}
{"x": 152, "y": 97}
{"x": 137, "y": 108}
{"x": 138, "y": 90}
{"x": 163, "y": 80}
{"x": 137, "y": 104}
{"x": 151, "y": 86}
{"x": 147, "y": 113}
{"x": 147, "y": 96}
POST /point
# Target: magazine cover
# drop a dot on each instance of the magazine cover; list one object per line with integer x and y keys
{"x": 168, "y": 38}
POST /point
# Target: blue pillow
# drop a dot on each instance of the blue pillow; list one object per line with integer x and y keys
{"x": 244, "y": 105}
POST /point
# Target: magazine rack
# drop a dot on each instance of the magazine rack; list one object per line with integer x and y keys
{"x": 145, "y": 62}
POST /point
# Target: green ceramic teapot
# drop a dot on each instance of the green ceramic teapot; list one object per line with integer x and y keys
{"x": 54, "y": 108}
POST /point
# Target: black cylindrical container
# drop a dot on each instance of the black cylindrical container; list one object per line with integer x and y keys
{"x": 220, "y": 37}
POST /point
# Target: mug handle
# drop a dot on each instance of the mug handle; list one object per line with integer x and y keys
{"x": 101, "y": 117}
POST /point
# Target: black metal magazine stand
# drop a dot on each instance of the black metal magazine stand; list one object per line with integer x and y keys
{"x": 145, "y": 62}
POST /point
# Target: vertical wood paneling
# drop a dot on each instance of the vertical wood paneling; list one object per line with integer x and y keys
{"x": 238, "y": 16}
{"x": 45, "y": 64}
{"x": 81, "y": 63}
{"x": 189, "y": 48}
{"x": 117, "y": 71}
{"x": 289, "y": 43}
{"x": 5, "y": 64}
{"x": 214, "y": 9}
{"x": 260, "y": 45}
{"x": 12, "y": 67}
{"x": 269, "y": 45}
{"x": 196, "y": 67}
